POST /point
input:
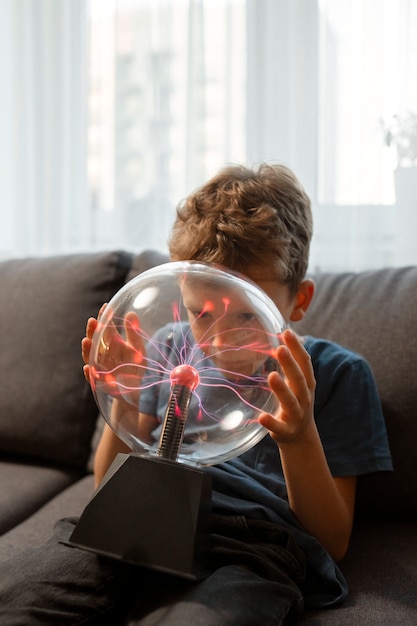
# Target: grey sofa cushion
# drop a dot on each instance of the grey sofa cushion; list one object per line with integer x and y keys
{"x": 25, "y": 487}
{"x": 46, "y": 408}
{"x": 375, "y": 314}
{"x": 381, "y": 572}
{"x": 69, "y": 502}
{"x": 144, "y": 261}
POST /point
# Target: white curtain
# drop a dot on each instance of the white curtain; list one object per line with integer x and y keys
{"x": 167, "y": 109}
{"x": 113, "y": 110}
{"x": 43, "y": 126}
{"x": 367, "y": 67}
{"x": 324, "y": 77}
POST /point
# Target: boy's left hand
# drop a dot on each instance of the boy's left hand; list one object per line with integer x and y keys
{"x": 294, "y": 389}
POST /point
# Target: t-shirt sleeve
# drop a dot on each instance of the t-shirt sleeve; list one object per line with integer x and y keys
{"x": 348, "y": 413}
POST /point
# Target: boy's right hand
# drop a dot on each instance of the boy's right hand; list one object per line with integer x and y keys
{"x": 117, "y": 373}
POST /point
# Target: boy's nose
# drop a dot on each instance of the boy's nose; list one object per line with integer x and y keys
{"x": 221, "y": 335}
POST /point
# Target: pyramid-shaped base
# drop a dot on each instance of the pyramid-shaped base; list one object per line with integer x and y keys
{"x": 149, "y": 512}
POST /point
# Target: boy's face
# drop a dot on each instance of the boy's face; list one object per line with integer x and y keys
{"x": 225, "y": 325}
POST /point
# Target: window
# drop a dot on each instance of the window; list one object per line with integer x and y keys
{"x": 114, "y": 110}
{"x": 366, "y": 60}
{"x": 167, "y": 109}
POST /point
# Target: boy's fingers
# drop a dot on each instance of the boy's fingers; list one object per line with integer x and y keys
{"x": 270, "y": 423}
{"x": 296, "y": 359}
{"x": 132, "y": 326}
{"x": 134, "y": 335}
{"x": 289, "y": 403}
{"x": 102, "y": 309}
{"x": 86, "y": 370}
{"x": 294, "y": 379}
{"x": 85, "y": 349}
{"x": 91, "y": 327}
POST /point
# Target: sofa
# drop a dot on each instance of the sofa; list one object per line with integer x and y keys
{"x": 49, "y": 423}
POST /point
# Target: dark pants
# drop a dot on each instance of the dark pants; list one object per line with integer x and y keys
{"x": 257, "y": 573}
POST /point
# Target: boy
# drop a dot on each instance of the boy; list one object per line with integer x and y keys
{"x": 283, "y": 511}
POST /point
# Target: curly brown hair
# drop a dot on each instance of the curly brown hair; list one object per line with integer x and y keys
{"x": 243, "y": 218}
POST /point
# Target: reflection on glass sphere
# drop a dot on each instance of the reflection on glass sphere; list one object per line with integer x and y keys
{"x": 180, "y": 361}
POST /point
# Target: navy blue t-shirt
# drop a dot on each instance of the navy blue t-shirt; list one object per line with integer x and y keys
{"x": 350, "y": 422}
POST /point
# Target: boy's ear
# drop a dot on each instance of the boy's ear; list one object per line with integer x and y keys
{"x": 303, "y": 300}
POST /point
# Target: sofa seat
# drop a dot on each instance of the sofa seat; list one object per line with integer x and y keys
{"x": 380, "y": 569}
{"x": 38, "y": 527}
{"x": 26, "y": 486}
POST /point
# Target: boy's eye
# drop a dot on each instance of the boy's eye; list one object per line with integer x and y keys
{"x": 201, "y": 315}
{"x": 245, "y": 318}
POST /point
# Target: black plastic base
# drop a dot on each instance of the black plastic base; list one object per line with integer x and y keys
{"x": 150, "y": 512}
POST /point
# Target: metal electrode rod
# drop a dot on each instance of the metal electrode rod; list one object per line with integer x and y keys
{"x": 174, "y": 423}
{"x": 184, "y": 379}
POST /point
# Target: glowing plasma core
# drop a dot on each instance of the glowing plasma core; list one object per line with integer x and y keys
{"x": 193, "y": 341}
{"x": 186, "y": 376}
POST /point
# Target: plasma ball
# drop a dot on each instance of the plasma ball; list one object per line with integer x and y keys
{"x": 185, "y": 375}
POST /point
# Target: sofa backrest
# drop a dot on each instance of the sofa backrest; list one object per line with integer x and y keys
{"x": 47, "y": 411}
{"x": 375, "y": 314}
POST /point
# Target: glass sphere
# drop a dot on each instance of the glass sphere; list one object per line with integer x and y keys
{"x": 180, "y": 360}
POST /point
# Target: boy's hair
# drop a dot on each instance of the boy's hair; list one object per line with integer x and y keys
{"x": 245, "y": 218}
